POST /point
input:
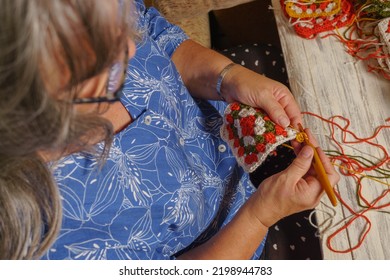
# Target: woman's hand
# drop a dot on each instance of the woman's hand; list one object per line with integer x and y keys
{"x": 246, "y": 86}
{"x": 293, "y": 190}
{"x": 200, "y": 67}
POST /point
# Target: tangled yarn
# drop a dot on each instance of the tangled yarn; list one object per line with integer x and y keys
{"x": 377, "y": 9}
{"x": 367, "y": 22}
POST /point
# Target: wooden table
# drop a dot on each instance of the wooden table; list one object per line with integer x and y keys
{"x": 327, "y": 81}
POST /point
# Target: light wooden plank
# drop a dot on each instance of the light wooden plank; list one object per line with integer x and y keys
{"x": 327, "y": 81}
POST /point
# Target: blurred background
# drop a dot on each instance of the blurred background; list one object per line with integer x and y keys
{"x": 247, "y": 23}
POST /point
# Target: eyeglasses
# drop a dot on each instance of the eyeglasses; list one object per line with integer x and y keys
{"x": 114, "y": 84}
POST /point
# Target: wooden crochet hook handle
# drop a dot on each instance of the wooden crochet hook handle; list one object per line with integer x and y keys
{"x": 320, "y": 170}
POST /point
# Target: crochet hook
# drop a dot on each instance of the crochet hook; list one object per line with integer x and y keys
{"x": 319, "y": 168}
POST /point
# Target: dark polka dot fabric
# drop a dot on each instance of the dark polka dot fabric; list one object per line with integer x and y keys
{"x": 263, "y": 59}
{"x": 294, "y": 237}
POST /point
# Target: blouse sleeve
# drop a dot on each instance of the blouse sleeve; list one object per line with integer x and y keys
{"x": 167, "y": 35}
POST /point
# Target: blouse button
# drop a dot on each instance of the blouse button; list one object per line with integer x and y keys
{"x": 222, "y": 148}
{"x": 148, "y": 120}
{"x": 181, "y": 140}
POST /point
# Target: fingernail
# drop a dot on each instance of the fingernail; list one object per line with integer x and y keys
{"x": 307, "y": 152}
{"x": 284, "y": 121}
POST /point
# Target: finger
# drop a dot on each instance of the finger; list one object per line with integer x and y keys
{"x": 293, "y": 112}
{"x": 301, "y": 164}
{"x": 314, "y": 190}
{"x": 285, "y": 98}
{"x": 276, "y": 112}
{"x": 297, "y": 146}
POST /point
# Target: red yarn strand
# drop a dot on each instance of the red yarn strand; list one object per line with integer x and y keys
{"x": 350, "y": 166}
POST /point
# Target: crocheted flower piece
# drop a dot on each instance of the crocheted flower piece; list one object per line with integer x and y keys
{"x": 312, "y": 8}
{"x": 252, "y": 135}
{"x": 308, "y": 27}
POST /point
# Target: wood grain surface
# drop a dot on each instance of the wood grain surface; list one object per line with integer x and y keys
{"x": 327, "y": 81}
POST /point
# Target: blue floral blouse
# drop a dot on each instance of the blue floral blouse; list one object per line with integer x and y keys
{"x": 169, "y": 182}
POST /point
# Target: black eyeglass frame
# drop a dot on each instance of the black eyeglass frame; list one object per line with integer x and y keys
{"x": 110, "y": 97}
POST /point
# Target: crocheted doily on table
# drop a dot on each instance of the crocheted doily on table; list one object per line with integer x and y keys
{"x": 329, "y": 16}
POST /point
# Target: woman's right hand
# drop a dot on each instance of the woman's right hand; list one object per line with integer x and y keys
{"x": 293, "y": 190}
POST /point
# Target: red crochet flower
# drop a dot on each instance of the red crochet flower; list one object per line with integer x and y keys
{"x": 269, "y": 137}
{"x": 280, "y": 130}
{"x": 260, "y": 148}
{"x": 251, "y": 158}
{"x": 247, "y": 125}
{"x": 235, "y": 107}
{"x": 241, "y": 151}
{"x": 236, "y": 143}
{"x": 230, "y": 119}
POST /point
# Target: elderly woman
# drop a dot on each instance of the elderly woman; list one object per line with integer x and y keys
{"x": 110, "y": 145}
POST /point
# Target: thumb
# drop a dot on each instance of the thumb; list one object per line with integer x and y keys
{"x": 301, "y": 165}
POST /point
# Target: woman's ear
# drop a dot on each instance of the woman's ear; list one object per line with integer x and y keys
{"x": 131, "y": 48}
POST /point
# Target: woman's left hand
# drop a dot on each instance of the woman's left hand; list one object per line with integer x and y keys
{"x": 246, "y": 86}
